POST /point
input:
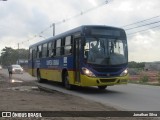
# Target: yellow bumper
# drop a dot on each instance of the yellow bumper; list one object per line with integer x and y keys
{"x": 94, "y": 81}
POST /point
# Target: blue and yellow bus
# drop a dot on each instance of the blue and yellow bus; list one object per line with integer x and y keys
{"x": 88, "y": 55}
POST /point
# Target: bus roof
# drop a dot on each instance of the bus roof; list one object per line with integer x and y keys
{"x": 75, "y": 30}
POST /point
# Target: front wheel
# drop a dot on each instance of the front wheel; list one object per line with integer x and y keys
{"x": 102, "y": 87}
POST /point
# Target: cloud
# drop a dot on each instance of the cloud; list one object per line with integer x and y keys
{"x": 144, "y": 47}
{"x": 21, "y": 20}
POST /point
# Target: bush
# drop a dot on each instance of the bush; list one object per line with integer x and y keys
{"x": 158, "y": 77}
{"x": 134, "y": 71}
{"x": 144, "y": 78}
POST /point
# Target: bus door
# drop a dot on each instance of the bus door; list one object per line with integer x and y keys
{"x": 77, "y": 50}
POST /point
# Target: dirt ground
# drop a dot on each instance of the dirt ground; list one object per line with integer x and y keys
{"x": 25, "y": 96}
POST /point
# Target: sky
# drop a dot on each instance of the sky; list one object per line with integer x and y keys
{"x": 26, "y": 22}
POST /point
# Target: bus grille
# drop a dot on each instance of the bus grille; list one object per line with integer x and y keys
{"x": 101, "y": 69}
{"x": 107, "y": 80}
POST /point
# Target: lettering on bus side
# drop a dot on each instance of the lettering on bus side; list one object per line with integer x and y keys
{"x": 52, "y": 62}
{"x": 65, "y": 61}
{"x": 37, "y": 63}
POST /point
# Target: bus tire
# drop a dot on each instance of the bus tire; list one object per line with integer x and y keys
{"x": 102, "y": 87}
{"x": 39, "y": 79}
{"x": 67, "y": 85}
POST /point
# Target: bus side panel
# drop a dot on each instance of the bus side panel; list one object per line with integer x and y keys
{"x": 51, "y": 69}
{"x": 30, "y": 71}
{"x": 55, "y": 75}
{"x": 72, "y": 77}
{"x": 70, "y": 69}
{"x": 51, "y": 74}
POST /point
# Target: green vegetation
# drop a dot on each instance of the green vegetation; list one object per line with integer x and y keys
{"x": 158, "y": 77}
{"x": 143, "y": 78}
{"x": 10, "y": 56}
{"x": 133, "y": 64}
{"x": 135, "y": 71}
{"x": 139, "y": 76}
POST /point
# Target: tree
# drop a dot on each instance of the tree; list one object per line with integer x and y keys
{"x": 10, "y": 56}
{"x": 133, "y": 64}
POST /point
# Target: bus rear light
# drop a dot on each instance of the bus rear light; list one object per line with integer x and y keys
{"x": 88, "y": 72}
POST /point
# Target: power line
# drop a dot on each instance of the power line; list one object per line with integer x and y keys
{"x": 75, "y": 16}
{"x": 143, "y": 25}
{"x": 91, "y": 9}
{"x": 141, "y": 21}
{"x": 130, "y": 34}
{"x": 143, "y": 30}
{"x": 83, "y": 12}
{"x": 67, "y": 19}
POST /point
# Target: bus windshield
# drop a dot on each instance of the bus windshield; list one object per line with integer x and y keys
{"x": 105, "y": 51}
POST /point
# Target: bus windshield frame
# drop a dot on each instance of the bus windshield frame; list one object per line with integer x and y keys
{"x": 104, "y": 50}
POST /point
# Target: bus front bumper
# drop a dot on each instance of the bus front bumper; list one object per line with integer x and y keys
{"x": 96, "y": 81}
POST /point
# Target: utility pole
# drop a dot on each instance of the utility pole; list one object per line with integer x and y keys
{"x": 1, "y": 59}
{"x": 53, "y": 29}
{"x": 18, "y": 54}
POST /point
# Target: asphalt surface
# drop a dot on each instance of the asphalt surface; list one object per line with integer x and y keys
{"x": 130, "y": 97}
{"x": 25, "y": 76}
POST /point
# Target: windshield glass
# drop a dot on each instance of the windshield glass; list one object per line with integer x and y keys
{"x": 105, "y": 51}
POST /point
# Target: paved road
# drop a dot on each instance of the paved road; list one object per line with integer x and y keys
{"x": 25, "y": 76}
{"x": 124, "y": 97}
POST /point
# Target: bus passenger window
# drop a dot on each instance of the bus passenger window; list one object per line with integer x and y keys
{"x": 44, "y": 50}
{"x": 58, "y": 47}
{"x": 34, "y": 53}
{"x": 67, "y": 50}
{"x": 39, "y": 51}
{"x": 50, "y": 49}
{"x": 68, "y": 45}
{"x": 30, "y": 53}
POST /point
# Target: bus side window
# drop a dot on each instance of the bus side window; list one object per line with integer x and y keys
{"x": 39, "y": 51}
{"x": 44, "y": 50}
{"x": 68, "y": 45}
{"x": 50, "y": 49}
{"x": 53, "y": 48}
{"x": 62, "y": 46}
{"x": 30, "y": 53}
{"x": 34, "y": 53}
{"x": 58, "y": 47}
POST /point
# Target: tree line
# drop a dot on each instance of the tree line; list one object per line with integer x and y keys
{"x": 11, "y": 56}
{"x": 134, "y": 64}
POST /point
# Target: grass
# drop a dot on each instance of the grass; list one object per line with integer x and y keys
{"x": 146, "y": 78}
{"x": 144, "y": 83}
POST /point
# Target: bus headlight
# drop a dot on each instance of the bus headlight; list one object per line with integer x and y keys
{"x": 88, "y": 72}
{"x": 124, "y": 73}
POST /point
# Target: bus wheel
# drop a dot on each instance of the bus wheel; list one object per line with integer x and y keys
{"x": 102, "y": 87}
{"x": 67, "y": 85}
{"x": 39, "y": 79}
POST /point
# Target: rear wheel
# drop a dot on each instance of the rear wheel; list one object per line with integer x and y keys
{"x": 102, "y": 87}
{"x": 67, "y": 85}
